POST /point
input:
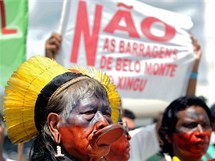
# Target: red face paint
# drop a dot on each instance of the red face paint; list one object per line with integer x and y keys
{"x": 192, "y": 144}
{"x": 120, "y": 149}
{"x": 76, "y": 141}
{"x": 77, "y": 131}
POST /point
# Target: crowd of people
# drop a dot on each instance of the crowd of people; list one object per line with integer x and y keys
{"x": 74, "y": 115}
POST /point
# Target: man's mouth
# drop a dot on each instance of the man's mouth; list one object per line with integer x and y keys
{"x": 199, "y": 147}
{"x": 107, "y": 135}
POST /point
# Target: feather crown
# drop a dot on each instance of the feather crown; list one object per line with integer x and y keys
{"x": 24, "y": 88}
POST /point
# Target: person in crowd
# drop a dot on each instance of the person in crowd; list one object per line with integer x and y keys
{"x": 129, "y": 117}
{"x": 119, "y": 150}
{"x": 185, "y": 129}
{"x": 69, "y": 112}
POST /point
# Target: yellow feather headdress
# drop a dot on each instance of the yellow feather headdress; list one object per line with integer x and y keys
{"x": 26, "y": 84}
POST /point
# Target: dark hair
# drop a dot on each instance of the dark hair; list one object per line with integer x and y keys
{"x": 213, "y": 113}
{"x": 129, "y": 114}
{"x": 170, "y": 118}
{"x": 1, "y": 119}
{"x": 44, "y": 146}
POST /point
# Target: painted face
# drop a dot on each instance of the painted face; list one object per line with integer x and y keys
{"x": 90, "y": 115}
{"x": 120, "y": 149}
{"x": 193, "y": 132}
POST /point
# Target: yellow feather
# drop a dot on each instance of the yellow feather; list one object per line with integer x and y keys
{"x": 21, "y": 94}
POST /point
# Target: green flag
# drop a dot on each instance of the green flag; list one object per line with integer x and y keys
{"x": 13, "y": 23}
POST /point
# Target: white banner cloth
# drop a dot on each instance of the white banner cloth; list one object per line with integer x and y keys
{"x": 146, "y": 51}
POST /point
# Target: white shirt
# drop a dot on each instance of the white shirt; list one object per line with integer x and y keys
{"x": 143, "y": 143}
{"x": 212, "y": 141}
{"x": 6, "y": 159}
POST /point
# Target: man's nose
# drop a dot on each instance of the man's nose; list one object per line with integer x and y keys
{"x": 199, "y": 128}
{"x": 100, "y": 121}
{"x": 200, "y": 132}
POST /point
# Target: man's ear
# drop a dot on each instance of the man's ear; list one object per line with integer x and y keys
{"x": 52, "y": 121}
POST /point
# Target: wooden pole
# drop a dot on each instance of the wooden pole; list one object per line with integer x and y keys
{"x": 20, "y": 152}
{"x": 62, "y": 19}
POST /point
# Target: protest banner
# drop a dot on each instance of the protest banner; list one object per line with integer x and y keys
{"x": 145, "y": 50}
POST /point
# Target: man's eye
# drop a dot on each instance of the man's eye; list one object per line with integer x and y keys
{"x": 192, "y": 125}
{"x": 206, "y": 125}
{"x": 108, "y": 114}
{"x": 89, "y": 112}
{"x": 88, "y": 115}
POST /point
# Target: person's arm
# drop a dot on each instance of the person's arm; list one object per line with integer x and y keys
{"x": 191, "y": 88}
{"x": 52, "y": 45}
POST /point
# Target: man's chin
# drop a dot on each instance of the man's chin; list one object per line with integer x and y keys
{"x": 100, "y": 151}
